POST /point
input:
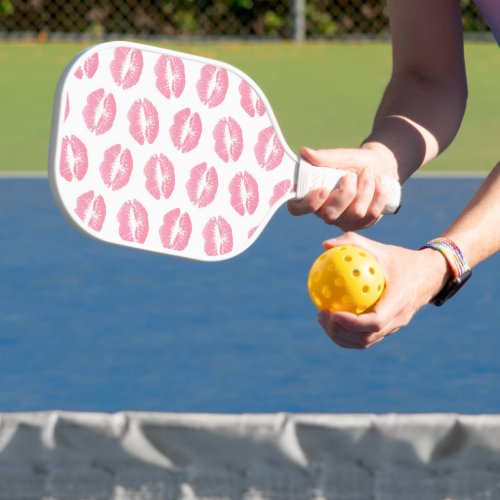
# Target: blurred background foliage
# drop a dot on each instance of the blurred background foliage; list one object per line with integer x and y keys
{"x": 194, "y": 18}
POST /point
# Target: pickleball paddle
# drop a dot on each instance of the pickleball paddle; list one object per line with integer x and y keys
{"x": 172, "y": 153}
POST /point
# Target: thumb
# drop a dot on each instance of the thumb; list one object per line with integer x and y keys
{"x": 349, "y": 238}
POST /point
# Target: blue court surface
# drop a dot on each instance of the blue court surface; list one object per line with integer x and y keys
{"x": 91, "y": 327}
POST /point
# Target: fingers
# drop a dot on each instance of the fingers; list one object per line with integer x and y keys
{"x": 309, "y": 204}
{"x": 354, "y": 332}
{"x": 356, "y": 202}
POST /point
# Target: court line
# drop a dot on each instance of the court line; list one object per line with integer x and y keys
{"x": 12, "y": 174}
{"x": 452, "y": 174}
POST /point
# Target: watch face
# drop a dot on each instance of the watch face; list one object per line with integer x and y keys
{"x": 451, "y": 288}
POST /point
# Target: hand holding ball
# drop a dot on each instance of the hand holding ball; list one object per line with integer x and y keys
{"x": 346, "y": 278}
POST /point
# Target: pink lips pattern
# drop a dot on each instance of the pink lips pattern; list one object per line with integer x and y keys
{"x": 250, "y": 101}
{"x": 160, "y": 176}
{"x": 89, "y": 67}
{"x": 133, "y": 222}
{"x": 170, "y": 76}
{"x": 74, "y": 161}
{"x": 209, "y": 107}
{"x": 218, "y": 237}
{"x": 126, "y": 67}
{"x": 144, "y": 123}
{"x": 176, "y": 230}
{"x": 202, "y": 185}
{"x": 91, "y": 210}
{"x": 212, "y": 85}
{"x": 67, "y": 107}
{"x": 228, "y": 138}
{"x": 100, "y": 111}
{"x": 116, "y": 167}
{"x": 186, "y": 130}
{"x": 244, "y": 193}
{"x": 268, "y": 150}
{"x": 279, "y": 191}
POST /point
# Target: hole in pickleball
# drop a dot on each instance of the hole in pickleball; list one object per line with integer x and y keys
{"x": 366, "y": 289}
{"x": 356, "y": 273}
{"x": 317, "y": 276}
{"x": 362, "y": 254}
{"x": 348, "y": 258}
{"x": 327, "y": 293}
{"x": 317, "y": 300}
{"x": 346, "y": 299}
{"x": 372, "y": 270}
{"x": 339, "y": 281}
{"x": 379, "y": 287}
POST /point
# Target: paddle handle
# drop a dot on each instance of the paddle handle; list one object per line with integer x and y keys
{"x": 311, "y": 177}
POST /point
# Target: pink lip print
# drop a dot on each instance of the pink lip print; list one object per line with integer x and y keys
{"x": 170, "y": 76}
{"x": 212, "y": 85}
{"x": 144, "y": 123}
{"x": 89, "y": 67}
{"x": 250, "y": 101}
{"x": 100, "y": 111}
{"x": 66, "y": 109}
{"x": 91, "y": 210}
{"x": 268, "y": 150}
{"x": 228, "y": 139}
{"x": 185, "y": 132}
{"x": 74, "y": 160}
{"x": 133, "y": 222}
{"x": 252, "y": 231}
{"x": 116, "y": 167}
{"x": 218, "y": 237}
{"x": 244, "y": 193}
{"x": 160, "y": 176}
{"x": 176, "y": 230}
{"x": 279, "y": 191}
{"x": 126, "y": 67}
{"x": 202, "y": 185}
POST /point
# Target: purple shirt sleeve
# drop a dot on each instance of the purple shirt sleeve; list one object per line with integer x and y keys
{"x": 490, "y": 9}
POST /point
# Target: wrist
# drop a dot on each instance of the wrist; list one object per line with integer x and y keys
{"x": 457, "y": 265}
{"x": 388, "y": 165}
{"x": 437, "y": 273}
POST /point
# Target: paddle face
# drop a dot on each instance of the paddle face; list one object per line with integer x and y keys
{"x": 166, "y": 152}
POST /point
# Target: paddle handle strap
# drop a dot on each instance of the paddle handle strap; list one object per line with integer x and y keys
{"x": 310, "y": 177}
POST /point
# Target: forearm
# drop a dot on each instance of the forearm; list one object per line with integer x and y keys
{"x": 424, "y": 103}
{"x": 416, "y": 121}
{"x": 477, "y": 230}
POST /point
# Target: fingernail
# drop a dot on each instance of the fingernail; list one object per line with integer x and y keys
{"x": 323, "y": 194}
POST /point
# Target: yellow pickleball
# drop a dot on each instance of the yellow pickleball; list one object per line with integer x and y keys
{"x": 346, "y": 278}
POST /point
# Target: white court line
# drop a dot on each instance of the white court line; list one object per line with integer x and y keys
{"x": 23, "y": 175}
{"x": 454, "y": 174}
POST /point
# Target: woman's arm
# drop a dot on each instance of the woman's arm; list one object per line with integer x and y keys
{"x": 419, "y": 115}
{"x": 424, "y": 103}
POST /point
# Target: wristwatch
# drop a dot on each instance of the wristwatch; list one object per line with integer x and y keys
{"x": 459, "y": 267}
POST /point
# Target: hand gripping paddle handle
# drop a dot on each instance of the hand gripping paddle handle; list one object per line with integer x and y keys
{"x": 310, "y": 177}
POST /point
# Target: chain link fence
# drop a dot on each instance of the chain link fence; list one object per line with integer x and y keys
{"x": 285, "y": 19}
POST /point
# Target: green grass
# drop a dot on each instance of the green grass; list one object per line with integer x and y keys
{"x": 324, "y": 95}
